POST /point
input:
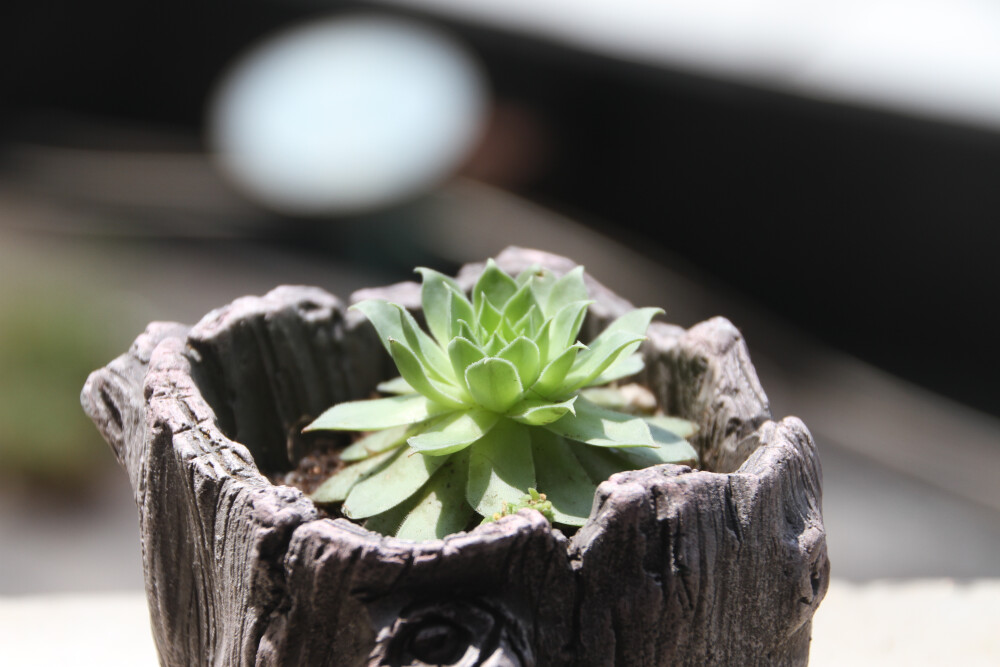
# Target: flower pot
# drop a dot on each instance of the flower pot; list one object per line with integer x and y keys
{"x": 724, "y": 565}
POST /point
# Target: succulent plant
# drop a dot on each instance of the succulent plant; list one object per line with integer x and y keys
{"x": 495, "y": 401}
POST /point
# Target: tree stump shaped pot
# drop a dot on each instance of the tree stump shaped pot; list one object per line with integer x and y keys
{"x": 720, "y": 566}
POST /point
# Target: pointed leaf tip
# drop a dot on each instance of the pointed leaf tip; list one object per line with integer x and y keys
{"x": 393, "y": 322}
{"x": 566, "y": 290}
{"x": 436, "y": 297}
{"x": 538, "y": 412}
{"x": 494, "y": 285}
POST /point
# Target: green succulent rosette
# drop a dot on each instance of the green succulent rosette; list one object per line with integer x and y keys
{"x": 491, "y": 404}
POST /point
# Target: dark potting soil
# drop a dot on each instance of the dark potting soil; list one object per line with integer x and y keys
{"x": 320, "y": 461}
{"x": 312, "y": 470}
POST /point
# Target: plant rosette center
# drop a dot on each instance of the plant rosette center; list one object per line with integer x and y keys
{"x": 498, "y": 400}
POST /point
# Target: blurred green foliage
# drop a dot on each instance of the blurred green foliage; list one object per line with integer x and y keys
{"x": 51, "y": 338}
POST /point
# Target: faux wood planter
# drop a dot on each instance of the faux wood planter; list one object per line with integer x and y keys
{"x": 675, "y": 566}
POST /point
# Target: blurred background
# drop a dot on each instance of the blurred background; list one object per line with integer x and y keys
{"x": 827, "y": 178}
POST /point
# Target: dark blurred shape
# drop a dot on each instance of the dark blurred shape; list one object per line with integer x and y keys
{"x": 875, "y": 231}
{"x": 516, "y": 150}
{"x": 154, "y": 63}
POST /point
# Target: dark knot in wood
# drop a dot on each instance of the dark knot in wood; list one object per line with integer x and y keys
{"x": 453, "y": 633}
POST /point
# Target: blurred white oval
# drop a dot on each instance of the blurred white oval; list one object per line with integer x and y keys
{"x": 347, "y": 114}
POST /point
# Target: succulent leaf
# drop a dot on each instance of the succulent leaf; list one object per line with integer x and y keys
{"x": 461, "y": 311}
{"x": 528, "y": 324}
{"x": 431, "y": 355}
{"x": 463, "y": 353}
{"x": 441, "y": 508}
{"x": 601, "y": 354}
{"x": 519, "y": 304}
{"x": 624, "y": 366}
{"x": 416, "y": 376}
{"x": 493, "y": 285}
{"x": 629, "y": 327}
{"x": 469, "y": 332}
{"x": 593, "y": 425}
{"x": 523, "y": 354}
{"x": 377, "y": 414}
{"x": 635, "y": 322}
{"x": 682, "y": 428}
{"x": 538, "y": 412}
{"x": 670, "y": 450}
{"x": 542, "y": 281}
{"x": 566, "y": 290}
{"x": 500, "y": 468}
{"x": 541, "y": 338}
{"x": 494, "y": 384}
{"x": 454, "y": 433}
{"x": 664, "y": 437}
{"x": 566, "y": 324}
{"x": 506, "y": 330}
{"x": 496, "y": 343}
{"x": 436, "y": 294}
{"x": 391, "y": 484}
{"x": 388, "y": 522}
{"x": 600, "y": 462}
{"x": 550, "y": 381}
{"x": 393, "y": 322}
{"x": 534, "y": 271}
{"x": 395, "y": 386}
{"x": 489, "y": 318}
{"x": 566, "y": 483}
{"x": 335, "y": 489}
{"x": 376, "y": 442}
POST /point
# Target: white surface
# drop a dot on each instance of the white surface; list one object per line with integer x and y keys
{"x": 109, "y": 630}
{"x": 909, "y": 623}
{"x": 938, "y": 58}
{"x": 915, "y": 623}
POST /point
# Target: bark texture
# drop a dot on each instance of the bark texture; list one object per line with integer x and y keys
{"x": 675, "y": 566}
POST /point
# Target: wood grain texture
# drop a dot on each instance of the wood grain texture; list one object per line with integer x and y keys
{"x": 675, "y": 566}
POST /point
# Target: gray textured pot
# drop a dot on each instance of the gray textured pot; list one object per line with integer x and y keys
{"x": 721, "y": 566}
